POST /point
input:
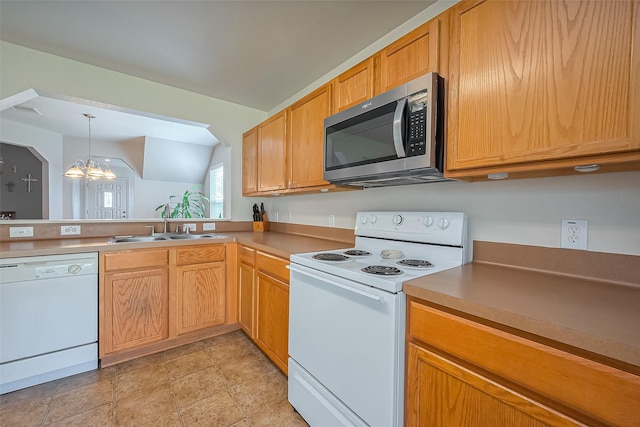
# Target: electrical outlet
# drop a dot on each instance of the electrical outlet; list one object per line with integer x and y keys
{"x": 20, "y": 231}
{"x": 575, "y": 234}
{"x": 209, "y": 226}
{"x": 67, "y": 230}
{"x": 332, "y": 220}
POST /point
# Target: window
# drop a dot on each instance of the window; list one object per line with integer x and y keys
{"x": 216, "y": 191}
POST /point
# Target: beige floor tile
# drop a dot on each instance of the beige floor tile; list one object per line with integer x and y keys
{"x": 240, "y": 370}
{"x": 168, "y": 420}
{"x": 144, "y": 378}
{"x": 29, "y": 394}
{"x": 242, "y": 423}
{"x": 281, "y": 415}
{"x": 254, "y": 395}
{"x": 183, "y": 349}
{"x": 85, "y": 378}
{"x": 98, "y": 417}
{"x": 219, "y": 352}
{"x": 132, "y": 365}
{"x": 142, "y": 407}
{"x": 188, "y": 364}
{"x": 24, "y": 414}
{"x": 197, "y": 386}
{"x": 219, "y": 410}
{"x": 80, "y": 399}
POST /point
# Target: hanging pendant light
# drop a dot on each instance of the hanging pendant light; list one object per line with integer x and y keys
{"x": 91, "y": 168}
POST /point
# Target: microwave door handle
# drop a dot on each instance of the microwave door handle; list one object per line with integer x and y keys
{"x": 398, "y": 143}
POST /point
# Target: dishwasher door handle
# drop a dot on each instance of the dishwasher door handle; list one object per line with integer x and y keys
{"x": 335, "y": 281}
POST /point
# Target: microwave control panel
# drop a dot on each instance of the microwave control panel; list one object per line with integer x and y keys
{"x": 417, "y": 132}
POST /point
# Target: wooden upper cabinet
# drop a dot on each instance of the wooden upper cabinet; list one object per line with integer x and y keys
{"x": 250, "y": 161}
{"x": 413, "y": 55}
{"x": 272, "y": 153}
{"x": 306, "y": 138}
{"x": 353, "y": 86}
{"x": 538, "y": 82}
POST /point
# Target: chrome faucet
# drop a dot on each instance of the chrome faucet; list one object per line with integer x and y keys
{"x": 167, "y": 214}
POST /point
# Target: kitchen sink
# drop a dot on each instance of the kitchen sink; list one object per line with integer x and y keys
{"x": 196, "y": 236}
{"x": 163, "y": 237}
{"x": 137, "y": 239}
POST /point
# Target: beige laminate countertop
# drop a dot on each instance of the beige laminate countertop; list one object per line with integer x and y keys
{"x": 280, "y": 244}
{"x": 590, "y": 313}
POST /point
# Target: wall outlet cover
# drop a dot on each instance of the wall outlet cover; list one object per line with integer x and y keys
{"x": 191, "y": 227}
{"x": 67, "y": 230}
{"x": 575, "y": 234}
{"x": 209, "y": 226}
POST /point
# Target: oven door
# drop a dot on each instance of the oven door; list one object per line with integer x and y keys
{"x": 347, "y": 344}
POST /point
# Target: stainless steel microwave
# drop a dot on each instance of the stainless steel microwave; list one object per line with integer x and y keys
{"x": 394, "y": 138}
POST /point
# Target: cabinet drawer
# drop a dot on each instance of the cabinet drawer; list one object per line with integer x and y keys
{"x": 127, "y": 260}
{"x": 599, "y": 391}
{"x": 200, "y": 254}
{"x": 272, "y": 265}
{"x": 246, "y": 255}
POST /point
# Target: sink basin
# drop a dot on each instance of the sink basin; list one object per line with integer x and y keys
{"x": 137, "y": 239}
{"x": 163, "y": 237}
{"x": 196, "y": 236}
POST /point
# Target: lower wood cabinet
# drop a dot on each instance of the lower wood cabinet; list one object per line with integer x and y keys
{"x": 200, "y": 288}
{"x": 460, "y": 372}
{"x": 246, "y": 288}
{"x": 263, "y": 302}
{"x": 136, "y": 310}
{"x": 151, "y": 300}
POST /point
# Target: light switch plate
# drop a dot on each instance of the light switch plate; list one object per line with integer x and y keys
{"x": 67, "y": 230}
{"x": 191, "y": 227}
{"x": 20, "y": 231}
{"x": 209, "y": 226}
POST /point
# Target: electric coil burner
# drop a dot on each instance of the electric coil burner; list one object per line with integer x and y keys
{"x": 328, "y": 256}
{"x": 415, "y": 263}
{"x": 357, "y": 252}
{"x": 382, "y": 270}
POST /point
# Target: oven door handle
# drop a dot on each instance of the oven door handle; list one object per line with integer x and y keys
{"x": 334, "y": 281}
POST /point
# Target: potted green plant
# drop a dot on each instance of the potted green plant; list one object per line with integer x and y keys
{"x": 190, "y": 205}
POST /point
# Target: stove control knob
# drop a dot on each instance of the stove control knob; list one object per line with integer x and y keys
{"x": 443, "y": 223}
{"x": 427, "y": 221}
{"x": 373, "y": 219}
{"x": 397, "y": 219}
{"x": 363, "y": 219}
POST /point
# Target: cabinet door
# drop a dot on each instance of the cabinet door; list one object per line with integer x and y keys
{"x": 538, "y": 81}
{"x": 200, "y": 296}
{"x": 272, "y": 153}
{"x": 135, "y": 309}
{"x": 246, "y": 275}
{"x": 442, "y": 393}
{"x": 306, "y": 138}
{"x": 272, "y": 318}
{"x": 353, "y": 86}
{"x": 250, "y": 161}
{"x": 413, "y": 55}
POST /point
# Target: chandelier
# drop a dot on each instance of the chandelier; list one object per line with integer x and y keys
{"x": 91, "y": 169}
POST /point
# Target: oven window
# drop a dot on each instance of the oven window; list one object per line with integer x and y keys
{"x": 364, "y": 139}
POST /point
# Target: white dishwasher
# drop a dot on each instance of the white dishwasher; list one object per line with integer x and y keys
{"x": 48, "y": 318}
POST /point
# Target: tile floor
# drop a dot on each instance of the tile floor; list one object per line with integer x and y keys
{"x": 224, "y": 381}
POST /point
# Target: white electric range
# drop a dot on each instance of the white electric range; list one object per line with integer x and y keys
{"x": 347, "y": 315}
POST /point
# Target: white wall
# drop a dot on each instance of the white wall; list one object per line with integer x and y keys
{"x": 527, "y": 211}
{"x": 22, "y": 69}
{"x": 49, "y": 145}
